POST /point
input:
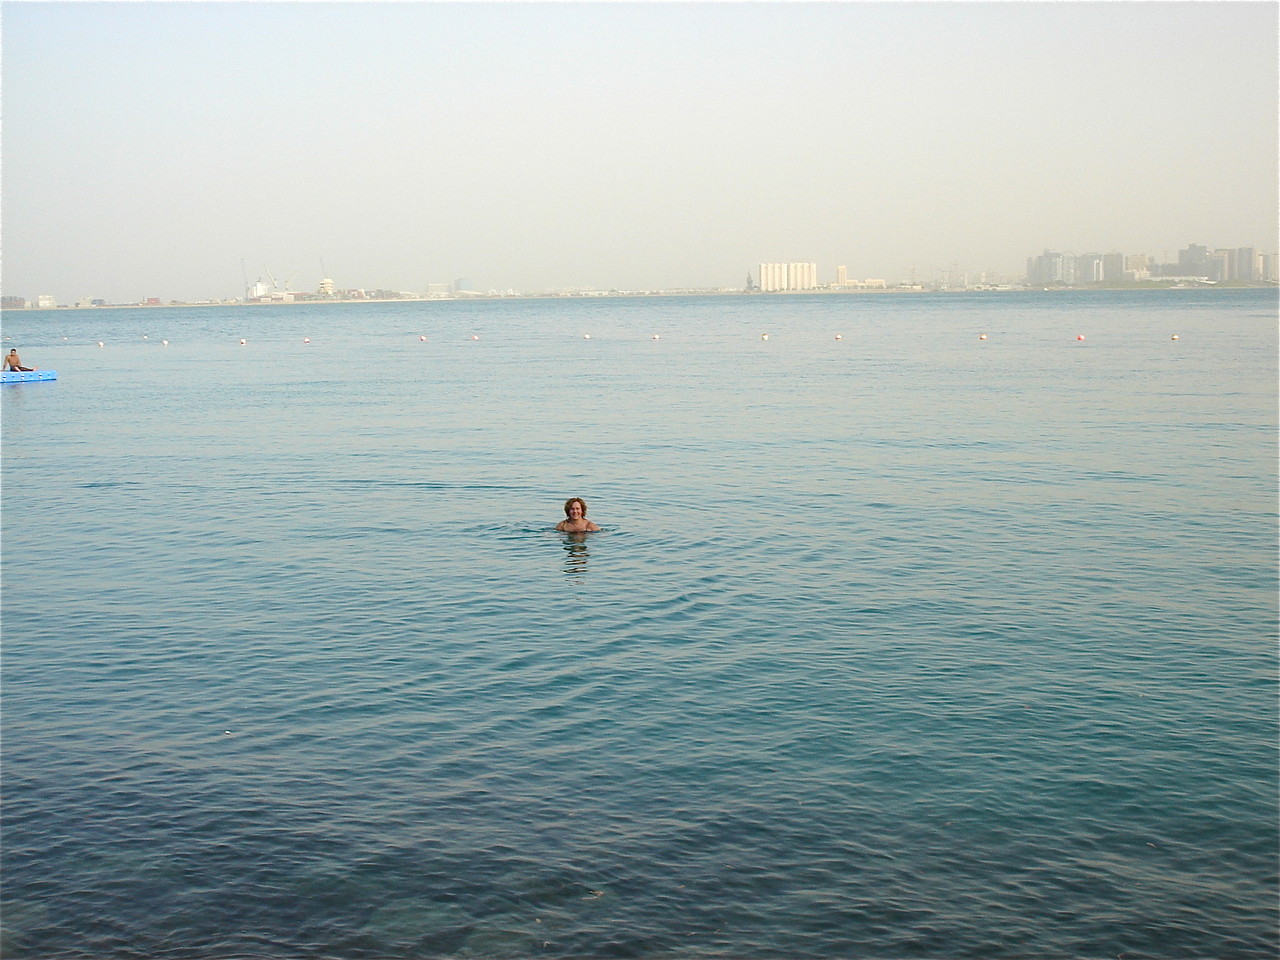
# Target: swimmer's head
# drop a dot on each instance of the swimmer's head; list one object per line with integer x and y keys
{"x": 571, "y": 501}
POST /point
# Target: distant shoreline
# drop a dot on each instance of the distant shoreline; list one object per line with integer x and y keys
{"x": 1152, "y": 286}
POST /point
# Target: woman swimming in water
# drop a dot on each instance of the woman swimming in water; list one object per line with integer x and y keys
{"x": 575, "y": 508}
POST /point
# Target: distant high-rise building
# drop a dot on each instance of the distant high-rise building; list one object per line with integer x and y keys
{"x": 1051, "y": 267}
{"x": 1089, "y": 268}
{"x": 1246, "y": 264}
{"x": 1218, "y": 266}
{"x": 1112, "y": 267}
{"x": 1193, "y": 261}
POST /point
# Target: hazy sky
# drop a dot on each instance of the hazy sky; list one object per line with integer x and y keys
{"x": 149, "y": 149}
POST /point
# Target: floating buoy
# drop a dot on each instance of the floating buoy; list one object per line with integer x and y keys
{"x": 306, "y": 339}
{"x": 1079, "y": 336}
{"x": 839, "y": 337}
{"x": 982, "y": 336}
{"x": 164, "y": 343}
{"x": 764, "y": 336}
{"x": 101, "y": 344}
{"x": 474, "y": 337}
{"x": 656, "y": 337}
{"x": 243, "y": 342}
{"x": 423, "y": 339}
{"x": 144, "y": 336}
{"x": 1174, "y": 337}
{"x": 586, "y": 336}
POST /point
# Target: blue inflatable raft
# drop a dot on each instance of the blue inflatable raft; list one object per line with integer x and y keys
{"x": 26, "y": 376}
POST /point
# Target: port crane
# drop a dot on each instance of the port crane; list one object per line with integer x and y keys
{"x": 275, "y": 284}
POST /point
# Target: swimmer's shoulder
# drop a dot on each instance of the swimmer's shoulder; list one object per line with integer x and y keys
{"x": 563, "y": 527}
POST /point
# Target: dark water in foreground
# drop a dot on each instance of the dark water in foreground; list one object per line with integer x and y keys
{"x": 902, "y": 645}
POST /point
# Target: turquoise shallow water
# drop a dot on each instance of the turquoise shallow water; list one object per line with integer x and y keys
{"x": 906, "y": 644}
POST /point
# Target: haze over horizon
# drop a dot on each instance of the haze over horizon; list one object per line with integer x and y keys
{"x": 151, "y": 149}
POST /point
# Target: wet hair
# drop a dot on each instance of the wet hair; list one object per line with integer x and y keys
{"x": 575, "y": 500}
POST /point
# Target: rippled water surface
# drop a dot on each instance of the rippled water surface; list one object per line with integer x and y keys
{"x": 904, "y": 644}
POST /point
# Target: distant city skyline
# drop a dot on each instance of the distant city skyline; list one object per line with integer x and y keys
{"x": 160, "y": 149}
{"x": 1050, "y": 268}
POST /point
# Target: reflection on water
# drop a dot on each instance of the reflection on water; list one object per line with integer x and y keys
{"x": 575, "y": 546}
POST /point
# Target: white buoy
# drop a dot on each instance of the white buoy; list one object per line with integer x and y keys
{"x": 423, "y": 339}
{"x": 982, "y": 336}
{"x": 764, "y": 336}
{"x": 164, "y": 343}
{"x": 243, "y": 342}
{"x": 839, "y": 337}
{"x": 306, "y": 339}
{"x": 144, "y": 336}
{"x": 586, "y": 336}
{"x": 656, "y": 337}
{"x": 101, "y": 344}
{"x": 474, "y": 337}
{"x": 1174, "y": 337}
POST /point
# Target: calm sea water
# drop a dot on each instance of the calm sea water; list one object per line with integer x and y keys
{"x": 907, "y": 644}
